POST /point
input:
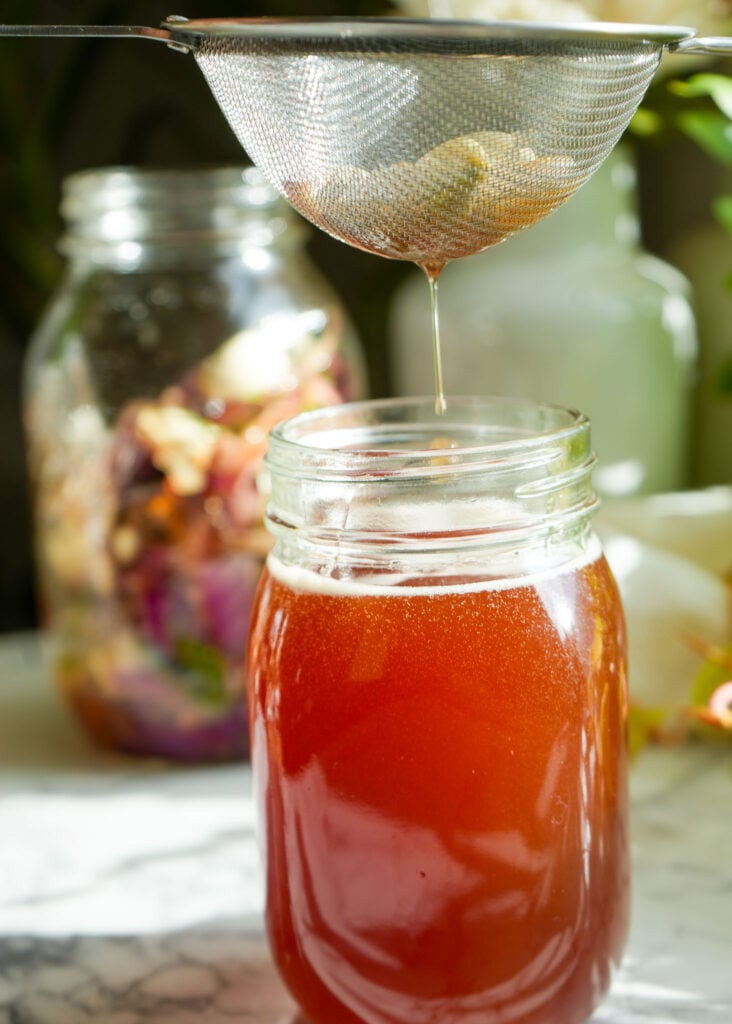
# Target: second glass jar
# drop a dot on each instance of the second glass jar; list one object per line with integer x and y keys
{"x": 190, "y": 321}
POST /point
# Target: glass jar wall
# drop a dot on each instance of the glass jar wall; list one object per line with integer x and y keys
{"x": 190, "y": 321}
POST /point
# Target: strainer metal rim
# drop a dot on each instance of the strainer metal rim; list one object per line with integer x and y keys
{"x": 423, "y": 29}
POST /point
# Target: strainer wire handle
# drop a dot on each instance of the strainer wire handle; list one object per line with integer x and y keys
{"x": 91, "y": 31}
{"x": 703, "y": 44}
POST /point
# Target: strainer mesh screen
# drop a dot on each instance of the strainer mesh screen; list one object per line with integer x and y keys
{"x": 427, "y": 155}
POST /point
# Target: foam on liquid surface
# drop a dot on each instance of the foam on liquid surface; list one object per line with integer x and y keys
{"x": 394, "y": 585}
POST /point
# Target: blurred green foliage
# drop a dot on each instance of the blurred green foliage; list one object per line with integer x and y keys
{"x": 710, "y": 127}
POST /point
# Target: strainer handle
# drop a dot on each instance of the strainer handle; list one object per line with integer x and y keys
{"x": 162, "y": 35}
{"x": 703, "y": 44}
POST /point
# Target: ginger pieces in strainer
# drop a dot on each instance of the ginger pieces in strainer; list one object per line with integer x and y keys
{"x": 458, "y": 198}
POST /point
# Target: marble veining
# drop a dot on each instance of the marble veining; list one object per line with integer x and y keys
{"x": 214, "y": 976}
{"x": 130, "y": 893}
{"x": 199, "y": 976}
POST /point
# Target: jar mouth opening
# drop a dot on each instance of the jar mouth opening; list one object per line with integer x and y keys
{"x": 407, "y": 436}
{"x": 111, "y": 206}
{"x": 122, "y": 184}
{"x": 365, "y": 485}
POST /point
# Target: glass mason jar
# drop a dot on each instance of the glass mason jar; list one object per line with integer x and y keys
{"x": 437, "y": 710}
{"x": 190, "y": 321}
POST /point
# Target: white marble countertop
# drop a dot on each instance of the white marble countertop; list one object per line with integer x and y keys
{"x": 130, "y": 892}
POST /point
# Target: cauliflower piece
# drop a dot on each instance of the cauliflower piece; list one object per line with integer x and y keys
{"x": 458, "y": 198}
{"x": 182, "y": 445}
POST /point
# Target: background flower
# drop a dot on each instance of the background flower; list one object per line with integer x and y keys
{"x": 499, "y": 10}
{"x": 708, "y": 17}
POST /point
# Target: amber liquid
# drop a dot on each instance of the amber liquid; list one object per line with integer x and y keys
{"x": 441, "y": 781}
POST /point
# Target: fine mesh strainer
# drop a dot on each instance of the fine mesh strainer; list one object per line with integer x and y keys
{"x": 421, "y": 140}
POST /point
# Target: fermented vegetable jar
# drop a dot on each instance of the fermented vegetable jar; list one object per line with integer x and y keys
{"x": 437, "y": 708}
{"x": 189, "y": 322}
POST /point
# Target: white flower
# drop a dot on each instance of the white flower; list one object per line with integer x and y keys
{"x": 498, "y": 10}
{"x": 707, "y": 17}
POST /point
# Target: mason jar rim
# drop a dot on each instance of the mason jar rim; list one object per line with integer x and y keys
{"x": 496, "y": 486}
{"x": 101, "y": 187}
{"x": 107, "y": 207}
{"x": 381, "y": 438}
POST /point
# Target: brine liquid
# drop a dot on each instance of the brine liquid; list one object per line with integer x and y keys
{"x": 441, "y": 783}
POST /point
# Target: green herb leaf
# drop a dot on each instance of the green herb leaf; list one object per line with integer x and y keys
{"x": 722, "y": 207}
{"x": 722, "y": 380}
{"x": 204, "y": 667}
{"x": 645, "y": 725}
{"x": 711, "y": 675}
{"x": 711, "y": 131}
{"x": 715, "y": 671}
{"x": 718, "y": 87}
{"x": 646, "y": 123}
